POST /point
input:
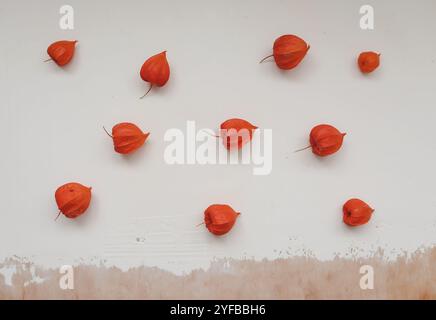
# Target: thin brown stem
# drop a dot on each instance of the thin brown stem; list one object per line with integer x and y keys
{"x": 151, "y": 86}
{"x": 200, "y": 224}
{"x": 58, "y": 215}
{"x": 271, "y": 55}
{"x": 107, "y": 132}
{"x": 48, "y": 60}
{"x": 212, "y": 135}
{"x": 309, "y": 146}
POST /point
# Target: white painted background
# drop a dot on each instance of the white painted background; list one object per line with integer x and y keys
{"x": 144, "y": 211}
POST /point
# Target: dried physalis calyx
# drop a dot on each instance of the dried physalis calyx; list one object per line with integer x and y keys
{"x": 220, "y": 218}
{"x": 356, "y": 212}
{"x": 236, "y": 132}
{"x": 127, "y": 137}
{"x": 324, "y": 140}
{"x": 288, "y": 51}
{"x": 155, "y": 71}
{"x": 61, "y": 52}
{"x": 368, "y": 61}
{"x": 73, "y": 199}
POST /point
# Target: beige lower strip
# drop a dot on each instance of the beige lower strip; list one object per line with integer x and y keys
{"x": 291, "y": 278}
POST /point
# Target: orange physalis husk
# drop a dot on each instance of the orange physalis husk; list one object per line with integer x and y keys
{"x": 368, "y": 61}
{"x": 356, "y": 212}
{"x": 73, "y": 199}
{"x": 61, "y": 52}
{"x": 236, "y": 132}
{"x": 156, "y": 71}
{"x": 220, "y": 218}
{"x": 325, "y": 140}
{"x": 288, "y": 51}
{"x": 127, "y": 137}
